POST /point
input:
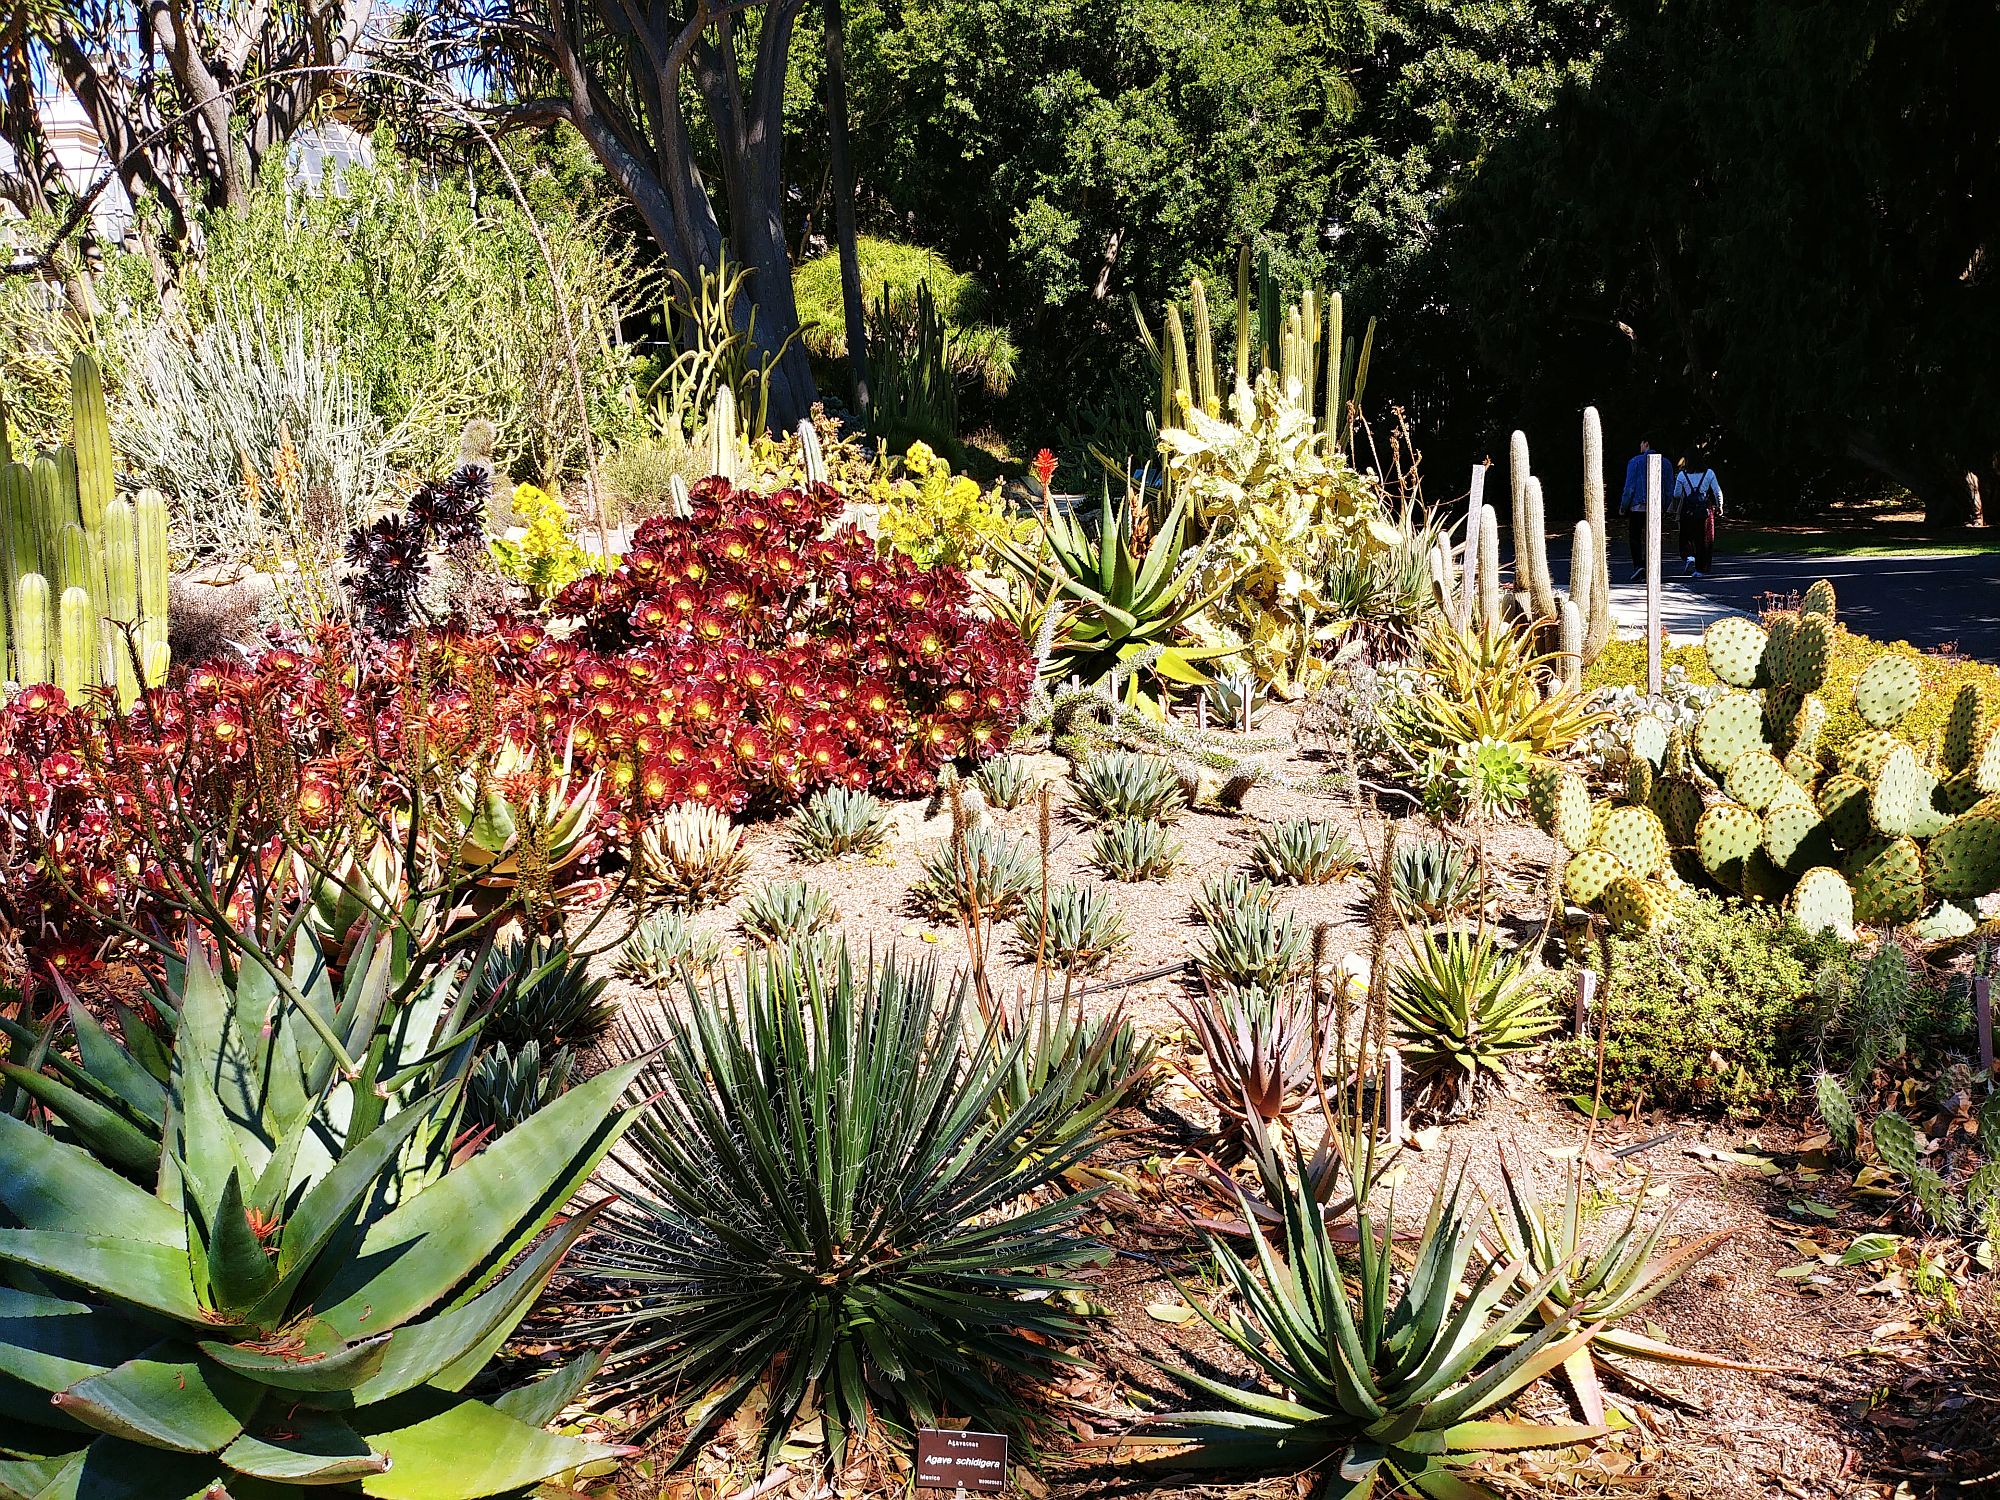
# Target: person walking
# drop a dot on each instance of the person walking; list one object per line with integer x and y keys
{"x": 1698, "y": 495}
{"x": 1632, "y": 503}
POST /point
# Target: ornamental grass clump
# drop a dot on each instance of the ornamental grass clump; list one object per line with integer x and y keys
{"x": 829, "y": 1211}
{"x": 288, "y": 1312}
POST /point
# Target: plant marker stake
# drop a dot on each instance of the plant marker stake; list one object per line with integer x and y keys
{"x": 1394, "y": 1085}
{"x": 1586, "y": 992}
{"x": 1982, "y": 1008}
{"x": 1654, "y": 466}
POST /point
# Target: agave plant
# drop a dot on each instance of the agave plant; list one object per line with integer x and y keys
{"x": 1134, "y": 849}
{"x": 1486, "y": 682}
{"x": 987, "y": 875}
{"x": 285, "y": 1312}
{"x": 664, "y": 951}
{"x": 1106, "y": 1060}
{"x": 1260, "y": 1048}
{"x": 1080, "y": 932}
{"x": 1604, "y": 1286}
{"x": 1431, "y": 880}
{"x": 1385, "y": 1388}
{"x": 1115, "y": 784}
{"x": 536, "y": 990}
{"x": 694, "y": 856}
{"x": 507, "y": 1084}
{"x": 1253, "y": 946}
{"x": 524, "y": 802}
{"x": 1461, "y": 1006}
{"x": 838, "y": 820}
{"x": 827, "y": 1207}
{"x": 1224, "y": 896}
{"x": 1007, "y": 780}
{"x": 1302, "y": 851}
{"x": 1124, "y": 604}
{"x": 786, "y": 910}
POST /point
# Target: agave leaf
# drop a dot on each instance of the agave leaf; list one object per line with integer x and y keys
{"x": 111, "y": 1469}
{"x": 470, "y": 1450}
{"x": 1441, "y": 1484}
{"x": 304, "y": 1447}
{"x": 154, "y": 1277}
{"x": 50, "y": 1184}
{"x": 27, "y": 1478}
{"x": 239, "y": 1272}
{"x": 334, "y": 1199}
{"x": 450, "y": 1234}
{"x": 108, "y": 1134}
{"x": 167, "y": 1398}
{"x": 1638, "y": 1345}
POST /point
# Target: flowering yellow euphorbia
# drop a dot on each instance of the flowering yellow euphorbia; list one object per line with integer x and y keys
{"x": 935, "y": 516}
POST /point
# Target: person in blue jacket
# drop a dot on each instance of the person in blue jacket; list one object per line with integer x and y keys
{"x": 1632, "y": 503}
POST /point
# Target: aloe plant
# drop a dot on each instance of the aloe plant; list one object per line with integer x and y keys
{"x": 1385, "y": 1387}
{"x": 1124, "y": 599}
{"x": 280, "y": 1314}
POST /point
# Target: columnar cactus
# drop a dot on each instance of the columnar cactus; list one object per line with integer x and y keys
{"x": 1590, "y": 562}
{"x": 79, "y": 567}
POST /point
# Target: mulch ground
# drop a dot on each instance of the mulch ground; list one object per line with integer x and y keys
{"x": 1874, "y": 1390}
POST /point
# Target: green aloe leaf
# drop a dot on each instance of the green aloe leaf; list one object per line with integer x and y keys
{"x": 111, "y": 1469}
{"x": 168, "y": 1398}
{"x": 542, "y": 1402}
{"x": 437, "y": 1242}
{"x": 114, "y": 1067}
{"x": 304, "y": 1447}
{"x": 321, "y": 1361}
{"x": 51, "y": 1343}
{"x": 108, "y": 1133}
{"x": 49, "y": 1184}
{"x": 154, "y": 1277}
{"x": 239, "y": 1272}
{"x": 471, "y": 1450}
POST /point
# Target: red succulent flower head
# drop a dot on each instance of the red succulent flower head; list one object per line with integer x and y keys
{"x": 1044, "y": 466}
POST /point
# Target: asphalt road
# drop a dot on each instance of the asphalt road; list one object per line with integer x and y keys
{"x": 1927, "y": 601}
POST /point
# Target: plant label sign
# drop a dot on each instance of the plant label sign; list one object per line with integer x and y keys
{"x": 961, "y": 1460}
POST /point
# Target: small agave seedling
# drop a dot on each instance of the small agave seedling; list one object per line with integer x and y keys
{"x": 1007, "y": 780}
{"x": 1082, "y": 932}
{"x": 991, "y": 876}
{"x": 837, "y": 820}
{"x": 1303, "y": 851}
{"x": 786, "y": 910}
{"x": 1135, "y": 849}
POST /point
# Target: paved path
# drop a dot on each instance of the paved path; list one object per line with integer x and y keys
{"x": 1927, "y": 601}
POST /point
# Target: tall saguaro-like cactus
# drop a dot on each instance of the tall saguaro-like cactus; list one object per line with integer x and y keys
{"x": 81, "y": 571}
{"x": 1589, "y": 596}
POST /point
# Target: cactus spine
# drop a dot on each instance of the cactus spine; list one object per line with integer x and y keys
{"x": 65, "y": 534}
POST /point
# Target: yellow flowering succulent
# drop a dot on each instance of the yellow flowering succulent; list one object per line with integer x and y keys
{"x": 1284, "y": 510}
{"x": 545, "y": 557}
{"x": 936, "y": 516}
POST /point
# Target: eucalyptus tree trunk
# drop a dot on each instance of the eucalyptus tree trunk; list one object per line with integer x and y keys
{"x": 853, "y": 303}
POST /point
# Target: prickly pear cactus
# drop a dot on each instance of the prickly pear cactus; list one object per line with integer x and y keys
{"x": 1735, "y": 649}
{"x": 1730, "y": 726}
{"x": 1634, "y": 837}
{"x": 1819, "y": 600}
{"x": 1727, "y": 835}
{"x": 1559, "y": 801}
{"x": 1634, "y": 905}
{"x": 1836, "y": 1111}
{"x": 1823, "y": 902}
{"x": 1888, "y": 880}
{"x": 1887, "y": 689}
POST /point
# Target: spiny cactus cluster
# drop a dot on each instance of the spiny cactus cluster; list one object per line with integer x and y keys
{"x": 1883, "y": 833}
{"x": 1948, "y": 1199}
{"x": 83, "y": 574}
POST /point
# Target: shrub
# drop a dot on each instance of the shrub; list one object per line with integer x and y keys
{"x": 979, "y": 350}
{"x": 935, "y": 516}
{"x": 546, "y": 558}
{"x": 740, "y": 658}
{"x": 866, "y": 1096}
{"x": 1720, "y": 1010}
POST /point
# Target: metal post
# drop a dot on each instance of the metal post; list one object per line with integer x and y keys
{"x": 1653, "y": 505}
{"x": 1586, "y": 992}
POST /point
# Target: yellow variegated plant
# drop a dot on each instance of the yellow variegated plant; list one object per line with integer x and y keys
{"x": 1283, "y": 510}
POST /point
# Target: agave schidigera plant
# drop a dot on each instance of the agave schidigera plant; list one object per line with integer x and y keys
{"x": 285, "y": 1313}
{"x": 837, "y": 1195}
{"x": 1605, "y": 1286}
{"x": 1387, "y": 1386}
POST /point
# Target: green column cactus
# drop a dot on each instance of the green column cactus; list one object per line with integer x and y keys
{"x": 1597, "y": 627}
{"x": 1489, "y": 565}
{"x": 1541, "y": 582}
{"x": 65, "y": 534}
{"x": 1517, "y": 493}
